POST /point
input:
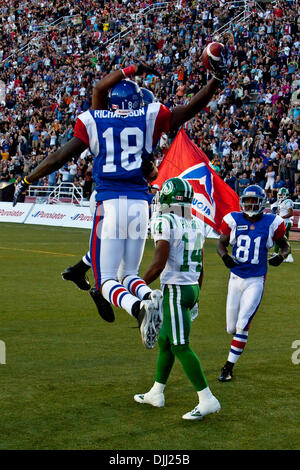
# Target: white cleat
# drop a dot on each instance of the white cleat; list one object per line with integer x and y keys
{"x": 146, "y": 325}
{"x": 157, "y": 299}
{"x": 289, "y": 259}
{"x": 204, "y": 408}
{"x": 154, "y": 399}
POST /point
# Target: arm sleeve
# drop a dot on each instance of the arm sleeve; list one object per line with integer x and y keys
{"x": 289, "y": 204}
{"x": 162, "y": 123}
{"x": 225, "y": 229}
{"x": 81, "y": 133}
{"x": 279, "y": 232}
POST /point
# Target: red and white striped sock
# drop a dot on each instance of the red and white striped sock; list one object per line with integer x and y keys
{"x": 118, "y": 295}
{"x": 237, "y": 346}
{"x": 137, "y": 286}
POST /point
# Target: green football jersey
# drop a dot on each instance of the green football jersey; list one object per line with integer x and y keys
{"x": 186, "y": 238}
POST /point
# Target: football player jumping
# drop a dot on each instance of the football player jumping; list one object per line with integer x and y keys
{"x": 251, "y": 234}
{"x": 179, "y": 240}
{"x": 122, "y": 134}
{"x": 78, "y": 272}
{"x": 284, "y": 207}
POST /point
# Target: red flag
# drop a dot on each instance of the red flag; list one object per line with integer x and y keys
{"x": 213, "y": 198}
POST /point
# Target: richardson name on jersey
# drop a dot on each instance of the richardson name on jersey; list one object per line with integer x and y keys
{"x": 104, "y": 113}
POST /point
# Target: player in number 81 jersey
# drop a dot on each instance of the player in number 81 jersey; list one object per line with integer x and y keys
{"x": 251, "y": 234}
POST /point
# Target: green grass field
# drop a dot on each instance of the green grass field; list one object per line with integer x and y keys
{"x": 69, "y": 377}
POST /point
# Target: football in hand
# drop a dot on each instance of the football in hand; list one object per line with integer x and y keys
{"x": 212, "y": 51}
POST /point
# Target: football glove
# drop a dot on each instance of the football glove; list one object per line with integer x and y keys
{"x": 143, "y": 68}
{"x": 276, "y": 259}
{"x": 149, "y": 169}
{"x": 219, "y": 67}
{"x": 20, "y": 188}
{"x": 194, "y": 311}
{"x": 229, "y": 261}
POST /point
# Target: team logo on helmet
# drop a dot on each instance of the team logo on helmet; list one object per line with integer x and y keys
{"x": 175, "y": 192}
{"x": 167, "y": 188}
{"x": 283, "y": 193}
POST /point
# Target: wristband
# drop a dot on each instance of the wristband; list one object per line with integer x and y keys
{"x": 128, "y": 71}
{"x": 25, "y": 180}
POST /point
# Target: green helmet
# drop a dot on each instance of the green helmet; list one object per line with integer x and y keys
{"x": 283, "y": 193}
{"x": 176, "y": 191}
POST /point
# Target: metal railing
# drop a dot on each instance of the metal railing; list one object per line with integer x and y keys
{"x": 60, "y": 194}
{"x": 242, "y": 17}
{"x": 33, "y": 43}
{"x": 142, "y": 13}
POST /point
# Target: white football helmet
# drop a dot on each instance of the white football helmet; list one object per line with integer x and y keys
{"x": 283, "y": 193}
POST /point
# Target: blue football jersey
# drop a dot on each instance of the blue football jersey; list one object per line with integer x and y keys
{"x": 251, "y": 241}
{"x": 119, "y": 143}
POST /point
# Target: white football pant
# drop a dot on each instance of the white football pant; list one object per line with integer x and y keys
{"x": 118, "y": 238}
{"x": 243, "y": 299}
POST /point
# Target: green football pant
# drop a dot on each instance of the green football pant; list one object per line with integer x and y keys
{"x": 287, "y": 234}
{"x": 173, "y": 339}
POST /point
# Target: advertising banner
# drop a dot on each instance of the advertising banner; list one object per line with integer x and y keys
{"x": 60, "y": 215}
{"x": 17, "y": 214}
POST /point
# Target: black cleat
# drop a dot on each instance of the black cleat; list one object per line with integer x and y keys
{"x": 105, "y": 309}
{"x": 76, "y": 276}
{"x": 226, "y": 374}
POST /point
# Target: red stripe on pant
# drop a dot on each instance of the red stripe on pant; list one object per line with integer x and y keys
{"x": 94, "y": 246}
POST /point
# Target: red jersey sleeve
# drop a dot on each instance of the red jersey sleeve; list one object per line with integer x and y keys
{"x": 225, "y": 229}
{"x": 279, "y": 232}
{"x": 81, "y": 133}
{"x": 162, "y": 123}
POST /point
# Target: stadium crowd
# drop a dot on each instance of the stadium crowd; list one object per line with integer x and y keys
{"x": 52, "y": 52}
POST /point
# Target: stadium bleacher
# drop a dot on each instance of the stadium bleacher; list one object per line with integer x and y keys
{"x": 51, "y": 56}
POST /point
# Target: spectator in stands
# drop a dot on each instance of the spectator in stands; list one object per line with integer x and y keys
{"x": 64, "y": 175}
{"x": 231, "y": 180}
{"x": 270, "y": 175}
{"x": 73, "y": 170}
{"x": 243, "y": 182}
{"x": 52, "y": 178}
{"x": 297, "y": 188}
{"x": 51, "y": 79}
